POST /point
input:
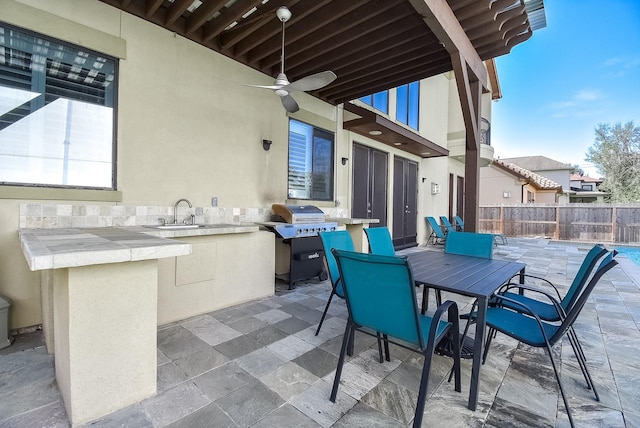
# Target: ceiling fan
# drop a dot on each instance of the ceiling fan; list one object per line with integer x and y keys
{"x": 282, "y": 87}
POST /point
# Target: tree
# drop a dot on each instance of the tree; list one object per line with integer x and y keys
{"x": 616, "y": 154}
{"x": 577, "y": 170}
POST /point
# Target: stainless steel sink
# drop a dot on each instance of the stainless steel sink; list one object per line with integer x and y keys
{"x": 175, "y": 226}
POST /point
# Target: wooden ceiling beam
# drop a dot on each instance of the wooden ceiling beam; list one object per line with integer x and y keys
{"x": 444, "y": 24}
{"x": 306, "y": 24}
{"x": 202, "y": 14}
{"x": 473, "y": 9}
{"x": 350, "y": 49}
{"x": 176, "y": 10}
{"x": 347, "y": 40}
{"x": 369, "y": 88}
{"x": 252, "y": 30}
{"x": 342, "y": 31}
{"x": 227, "y": 17}
{"x": 391, "y": 70}
{"x": 411, "y": 57}
{"x": 152, "y": 7}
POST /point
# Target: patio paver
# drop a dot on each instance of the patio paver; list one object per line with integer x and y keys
{"x": 260, "y": 365}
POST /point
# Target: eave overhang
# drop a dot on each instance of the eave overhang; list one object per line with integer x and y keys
{"x": 369, "y": 123}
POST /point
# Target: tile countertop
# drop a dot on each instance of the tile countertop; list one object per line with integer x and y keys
{"x": 73, "y": 247}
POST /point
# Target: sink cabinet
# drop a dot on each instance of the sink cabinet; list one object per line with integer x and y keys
{"x": 221, "y": 271}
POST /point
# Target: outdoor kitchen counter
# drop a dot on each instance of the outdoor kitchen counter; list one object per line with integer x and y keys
{"x": 355, "y": 227}
{"x": 350, "y": 221}
{"x": 62, "y": 248}
{"x": 101, "y": 292}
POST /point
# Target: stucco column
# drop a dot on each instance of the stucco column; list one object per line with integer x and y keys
{"x": 105, "y": 319}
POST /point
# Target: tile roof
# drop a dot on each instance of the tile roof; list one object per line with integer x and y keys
{"x": 534, "y": 179}
{"x": 585, "y": 178}
{"x": 538, "y": 163}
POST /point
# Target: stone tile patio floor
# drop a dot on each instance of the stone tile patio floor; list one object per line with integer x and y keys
{"x": 259, "y": 365}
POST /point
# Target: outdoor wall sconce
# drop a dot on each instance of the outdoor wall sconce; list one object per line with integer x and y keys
{"x": 506, "y": 194}
{"x": 344, "y": 161}
{"x": 435, "y": 188}
{"x": 266, "y": 144}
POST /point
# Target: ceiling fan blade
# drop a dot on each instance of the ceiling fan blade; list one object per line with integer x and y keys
{"x": 272, "y": 87}
{"x": 289, "y": 104}
{"x": 312, "y": 82}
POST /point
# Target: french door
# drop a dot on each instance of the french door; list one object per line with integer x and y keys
{"x": 369, "y": 184}
{"x": 405, "y": 203}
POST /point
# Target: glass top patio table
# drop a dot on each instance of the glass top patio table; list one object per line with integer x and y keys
{"x": 469, "y": 276}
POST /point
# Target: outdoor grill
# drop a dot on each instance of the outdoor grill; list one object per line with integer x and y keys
{"x": 299, "y": 253}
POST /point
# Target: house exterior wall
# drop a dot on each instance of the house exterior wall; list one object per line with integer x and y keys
{"x": 560, "y": 176}
{"x": 495, "y": 184}
{"x": 545, "y": 196}
{"x": 188, "y": 128}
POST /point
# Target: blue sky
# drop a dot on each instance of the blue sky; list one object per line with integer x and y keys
{"x": 583, "y": 69}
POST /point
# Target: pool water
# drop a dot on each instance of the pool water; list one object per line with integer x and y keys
{"x": 632, "y": 254}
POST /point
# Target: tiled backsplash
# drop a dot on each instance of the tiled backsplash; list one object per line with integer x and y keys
{"x": 49, "y": 216}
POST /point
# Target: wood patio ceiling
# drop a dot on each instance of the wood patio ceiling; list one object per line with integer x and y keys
{"x": 371, "y": 45}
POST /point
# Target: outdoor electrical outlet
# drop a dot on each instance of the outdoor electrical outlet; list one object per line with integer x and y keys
{"x": 214, "y": 201}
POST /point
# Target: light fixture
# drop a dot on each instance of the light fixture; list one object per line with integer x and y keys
{"x": 425, "y": 153}
{"x": 397, "y": 143}
{"x": 266, "y": 144}
{"x": 506, "y": 194}
{"x": 344, "y": 161}
{"x": 375, "y": 132}
{"x": 283, "y": 13}
{"x": 435, "y": 188}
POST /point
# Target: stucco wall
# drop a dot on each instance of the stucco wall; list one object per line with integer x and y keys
{"x": 494, "y": 183}
{"x": 188, "y": 128}
{"x": 561, "y": 177}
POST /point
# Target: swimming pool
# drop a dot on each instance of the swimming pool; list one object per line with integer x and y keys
{"x": 632, "y": 254}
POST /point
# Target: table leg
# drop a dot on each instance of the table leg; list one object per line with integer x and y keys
{"x": 521, "y": 280}
{"x": 477, "y": 353}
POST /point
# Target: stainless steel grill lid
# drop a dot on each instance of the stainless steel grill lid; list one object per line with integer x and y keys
{"x": 294, "y": 214}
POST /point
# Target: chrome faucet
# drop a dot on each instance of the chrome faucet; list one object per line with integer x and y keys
{"x": 175, "y": 209}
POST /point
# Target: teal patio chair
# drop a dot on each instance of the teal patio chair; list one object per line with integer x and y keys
{"x": 447, "y": 224}
{"x": 339, "y": 239}
{"x": 470, "y": 244}
{"x": 437, "y": 235}
{"x": 380, "y": 241}
{"x": 552, "y": 305}
{"x": 458, "y": 223}
{"x": 527, "y": 327}
{"x": 380, "y": 295}
{"x": 467, "y": 244}
{"x": 549, "y": 305}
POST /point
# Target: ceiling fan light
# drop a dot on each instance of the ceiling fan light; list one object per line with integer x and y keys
{"x": 281, "y": 93}
{"x": 283, "y": 13}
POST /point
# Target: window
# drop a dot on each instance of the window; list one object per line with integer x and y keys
{"x": 56, "y": 113}
{"x": 310, "y": 162}
{"x": 407, "y": 104}
{"x": 588, "y": 187}
{"x": 379, "y": 101}
{"x": 530, "y": 197}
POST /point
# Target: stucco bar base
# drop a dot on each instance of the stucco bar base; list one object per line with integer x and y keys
{"x": 105, "y": 319}
{"x": 221, "y": 271}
